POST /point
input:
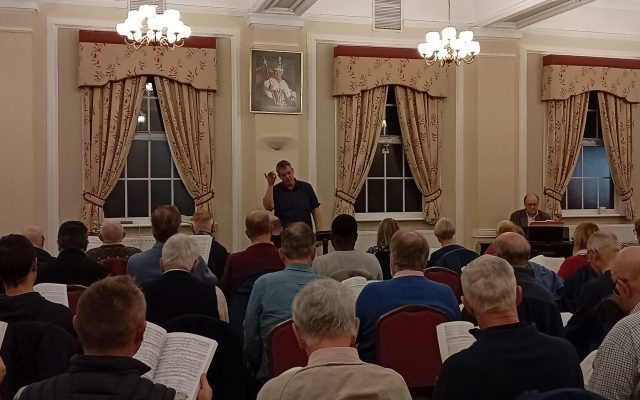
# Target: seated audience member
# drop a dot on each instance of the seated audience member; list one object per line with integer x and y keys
{"x": 538, "y": 305}
{"x": 386, "y": 229}
{"x": 579, "y": 259}
{"x": 344, "y": 234}
{"x": 326, "y": 327}
{"x": 272, "y": 295}
{"x": 585, "y": 329}
{"x": 18, "y": 270}
{"x": 616, "y": 368}
{"x": 145, "y": 266}
{"x": 509, "y": 357}
{"x": 636, "y": 233}
{"x": 530, "y": 212}
{"x": 450, "y": 255}
{"x": 409, "y": 252}
{"x": 177, "y": 292}
{"x": 258, "y": 259}
{"x": 36, "y": 237}
{"x": 110, "y": 321}
{"x": 503, "y": 227}
{"x": 111, "y": 234}
{"x": 72, "y": 265}
{"x": 202, "y": 224}
{"x": 276, "y": 230}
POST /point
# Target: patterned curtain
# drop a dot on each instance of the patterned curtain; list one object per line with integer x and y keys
{"x": 617, "y": 125}
{"x": 565, "y": 127}
{"x": 359, "y": 123}
{"x": 188, "y": 116}
{"x": 109, "y": 117}
{"x": 420, "y": 118}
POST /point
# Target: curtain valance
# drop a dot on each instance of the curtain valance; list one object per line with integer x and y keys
{"x": 566, "y": 76}
{"x": 103, "y": 57}
{"x": 357, "y": 69}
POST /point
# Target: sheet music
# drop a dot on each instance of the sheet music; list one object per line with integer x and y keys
{"x": 151, "y": 348}
{"x": 54, "y": 292}
{"x": 204, "y": 245}
{"x": 454, "y": 337}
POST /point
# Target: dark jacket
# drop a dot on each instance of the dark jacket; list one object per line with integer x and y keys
{"x": 538, "y": 305}
{"x": 456, "y": 258}
{"x": 521, "y": 219}
{"x": 43, "y": 256}
{"x": 574, "y": 285}
{"x": 33, "y": 307}
{"x": 217, "y": 257}
{"x": 71, "y": 267}
{"x": 100, "y": 378}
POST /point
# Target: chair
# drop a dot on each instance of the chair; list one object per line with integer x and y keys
{"x": 73, "y": 295}
{"x": 406, "y": 341}
{"x": 456, "y": 259}
{"x": 115, "y": 266}
{"x": 283, "y": 351}
{"x": 446, "y": 276}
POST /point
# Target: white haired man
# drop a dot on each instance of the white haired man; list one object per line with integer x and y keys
{"x": 509, "y": 356}
{"x": 177, "y": 292}
{"x": 37, "y": 239}
{"x": 111, "y": 234}
{"x": 325, "y": 324}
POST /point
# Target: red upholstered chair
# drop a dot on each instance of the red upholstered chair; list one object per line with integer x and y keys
{"x": 446, "y": 276}
{"x": 73, "y": 295}
{"x": 406, "y": 341}
{"x": 115, "y": 266}
{"x": 283, "y": 350}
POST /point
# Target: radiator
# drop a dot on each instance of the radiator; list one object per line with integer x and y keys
{"x": 367, "y": 239}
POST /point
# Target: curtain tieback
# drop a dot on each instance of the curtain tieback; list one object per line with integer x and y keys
{"x": 433, "y": 196}
{"x": 627, "y": 195}
{"x": 554, "y": 194}
{"x": 204, "y": 198}
{"x": 93, "y": 199}
{"x": 342, "y": 195}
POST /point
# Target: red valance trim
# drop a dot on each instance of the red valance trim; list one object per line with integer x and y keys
{"x": 591, "y": 61}
{"x": 198, "y": 42}
{"x": 376, "y": 52}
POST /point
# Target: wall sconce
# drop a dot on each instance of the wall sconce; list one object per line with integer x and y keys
{"x": 277, "y": 142}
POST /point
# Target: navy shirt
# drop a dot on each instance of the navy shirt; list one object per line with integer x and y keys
{"x": 294, "y": 205}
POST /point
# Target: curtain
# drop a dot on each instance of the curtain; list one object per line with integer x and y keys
{"x": 188, "y": 116}
{"x": 615, "y": 114}
{"x": 109, "y": 117}
{"x": 359, "y": 123}
{"x": 565, "y": 127}
{"x": 420, "y": 118}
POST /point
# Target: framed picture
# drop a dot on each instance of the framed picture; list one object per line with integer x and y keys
{"x": 276, "y": 82}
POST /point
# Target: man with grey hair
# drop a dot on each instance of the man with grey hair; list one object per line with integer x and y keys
{"x": 177, "y": 292}
{"x": 530, "y": 212}
{"x": 409, "y": 252}
{"x": 325, "y": 324}
{"x": 273, "y": 293}
{"x": 111, "y": 234}
{"x": 36, "y": 237}
{"x": 509, "y": 357}
{"x": 538, "y": 305}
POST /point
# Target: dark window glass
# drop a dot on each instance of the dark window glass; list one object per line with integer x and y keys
{"x": 394, "y": 195}
{"x": 160, "y": 193}
{"x": 138, "y": 198}
{"x": 578, "y": 171}
{"x": 394, "y": 160}
{"x": 413, "y": 197}
{"x": 114, "y": 205}
{"x": 377, "y": 167}
{"x": 137, "y": 161}
{"x": 376, "y": 195}
{"x": 175, "y": 170}
{"x": 606, "y": 192}
{"x": 182, "y": 199}
{"x": 393, "y": 124}
{"x": 391, "y": 96}
{"x": 361, "y": 205}
{"x": 596, "y": 163}
{"x": 591, "y": 126}
{"x": 590, "y": 193}
{"x": 575, "y": 194}
{"x": 155, "y": 120}
{"x": 160, "y": 160}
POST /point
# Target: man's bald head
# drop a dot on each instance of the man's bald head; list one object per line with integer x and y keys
{"x": 627, "y": 264}
{"x": 258, "y": 223}
{"x": 409, "y": 250}
{"x": 111, "y": 231}
{"x": 35, "y": 236}
{"x": 513, "y": 248}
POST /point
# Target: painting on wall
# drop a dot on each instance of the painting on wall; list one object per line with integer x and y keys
{"x": 276, "y": 82}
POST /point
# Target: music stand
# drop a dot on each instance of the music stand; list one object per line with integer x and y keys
{"x": 324, "y": 237}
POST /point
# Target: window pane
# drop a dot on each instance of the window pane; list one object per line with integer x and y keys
{"x": 394, "y": 195}
{"x": 606, "y": 192}
{"x": 393, "y": 124}
{"x": 591, "y": 126}
{"x": 155, "y": 119}
{"x": 182, "y": 199}
{"x": 412, "y": 197}
{"x": 377, "y": 167}
{"x": 138, "y": 198}
{"x": 577, "y": 172}
{"x": 360, "y": 206}
{"x": 394, "y": 160}
{"x": 574, "y": 192}
{"x": 376, "y": 195}
{"x": 143, "y": 117}
{"x": 160, "y": 193}
{"x": 175, "y": 170}
{"x": 596, "y": 163}
{"x": 160, "y": 160}
{"x": 114, "y": 204}
{"x": 137, "y": 165}
{"x": 590, "y": 193}
{"x": 391, "y": 95}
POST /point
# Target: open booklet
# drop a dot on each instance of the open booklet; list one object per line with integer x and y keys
{"x": 177, "y": 360}
{"x": 54, "y": 292}
{"x": 454, "y": 337}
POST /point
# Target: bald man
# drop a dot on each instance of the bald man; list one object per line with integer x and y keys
{"x": 530, "y": 212}
{"x": 36, "y": 237}
{"x": 111, "y": 234}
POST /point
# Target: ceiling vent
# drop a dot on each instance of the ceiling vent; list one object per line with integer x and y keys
{"x": 287, "y": 7}
{"x": 540, "y": 12}
{"x": 387, "y": 15}
{"x": 135, "y": 4}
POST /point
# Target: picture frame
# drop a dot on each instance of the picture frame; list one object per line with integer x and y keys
{"x": 276, "y": 82}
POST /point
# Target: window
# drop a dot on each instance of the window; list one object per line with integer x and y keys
{"x": 591, "y": 187}
{"x": 389, "y": 187}
{"x": 149, "y": 178}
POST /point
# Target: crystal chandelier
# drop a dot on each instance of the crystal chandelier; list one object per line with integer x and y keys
{"x": 448, "y": 48}
{"x": 145, "y": 27}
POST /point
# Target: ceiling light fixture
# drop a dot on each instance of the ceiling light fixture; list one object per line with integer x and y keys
{"x": 448, "y": 48}
{"x": 145, "y": 27}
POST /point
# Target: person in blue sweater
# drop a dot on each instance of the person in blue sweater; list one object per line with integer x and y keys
{"x": 409, "y": 253}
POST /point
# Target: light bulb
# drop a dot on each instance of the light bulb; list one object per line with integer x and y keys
{"x": 466, "y": 36}
{"x": 432, "y": 37}
{"x": 449, "y": 33}
{"x": 425, "y": 50}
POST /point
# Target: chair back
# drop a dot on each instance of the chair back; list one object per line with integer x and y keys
{"x": 406, "y": 341}
{"x": 456, "y": 259}
{"x": 238, "y": 302}
{"x": 384, "y": 258}
{"x": 446, "y": 276}
{"x": 73, "y": 295}
{"x": 115, "y": 266}
{"x": 283, "y": 351}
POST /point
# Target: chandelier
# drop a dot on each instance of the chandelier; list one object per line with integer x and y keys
{"x": 449, "y": 47}
{"x": 145, "y": 27}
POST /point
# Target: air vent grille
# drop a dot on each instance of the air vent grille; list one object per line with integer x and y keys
{"x": 387, "y": 15}
{"x": 135, "y": 4}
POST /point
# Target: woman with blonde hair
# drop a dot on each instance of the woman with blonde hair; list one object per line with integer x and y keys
{"x": 386, "y": 229}
{"x": 581, "y": 237}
